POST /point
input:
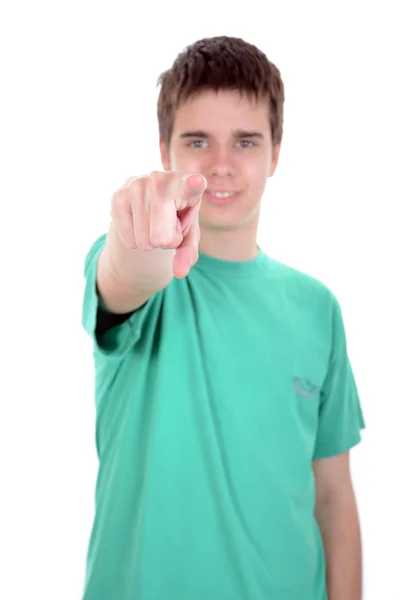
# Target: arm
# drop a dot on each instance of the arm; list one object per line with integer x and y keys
{"x": 337, "y": 516}
{"x": 153, "y": 235}
{"x": 127, "y": 278}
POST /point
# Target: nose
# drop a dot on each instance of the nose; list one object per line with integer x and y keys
{"x": 222, "y": 162}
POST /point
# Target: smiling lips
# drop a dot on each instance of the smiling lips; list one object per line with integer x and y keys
{"x": 220, "y": 197}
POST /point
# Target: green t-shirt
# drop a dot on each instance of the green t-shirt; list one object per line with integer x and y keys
{"x": 212, "y": 401}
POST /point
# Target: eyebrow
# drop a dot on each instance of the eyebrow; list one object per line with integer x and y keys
{"x": 238, "y": 133}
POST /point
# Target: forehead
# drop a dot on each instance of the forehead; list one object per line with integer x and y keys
{"x": 221, "y": 111}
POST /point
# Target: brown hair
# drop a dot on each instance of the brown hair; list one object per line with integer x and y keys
{"x": 220, "y": 63}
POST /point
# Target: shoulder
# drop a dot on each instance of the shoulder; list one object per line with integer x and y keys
{"x": 297, "y": 281}
{"x": 304, "y": 295}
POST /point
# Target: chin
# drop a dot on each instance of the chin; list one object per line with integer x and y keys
{"x": 227, "y": 218}
{"x": 223, "y": 223}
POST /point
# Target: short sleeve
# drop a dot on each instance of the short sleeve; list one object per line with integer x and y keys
{"x": 116, "y": 342}
{"x": 341, "y": 418}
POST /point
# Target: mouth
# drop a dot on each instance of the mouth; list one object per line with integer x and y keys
{"x": 220, "y": 197}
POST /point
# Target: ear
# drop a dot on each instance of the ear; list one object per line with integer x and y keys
{"x": 164, "y": 155}
{"x": 275, "y": 159}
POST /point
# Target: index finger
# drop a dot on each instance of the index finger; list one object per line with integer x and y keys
{"x": 192, "y": 189}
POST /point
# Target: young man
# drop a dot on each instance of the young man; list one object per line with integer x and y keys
{"x": 226, "y": 404}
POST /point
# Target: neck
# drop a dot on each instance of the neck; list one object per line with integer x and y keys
{"x": 234, "y": 244}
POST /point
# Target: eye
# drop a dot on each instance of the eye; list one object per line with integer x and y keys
{"x": 246, "y": 143}
{"x": 197, "y": 144}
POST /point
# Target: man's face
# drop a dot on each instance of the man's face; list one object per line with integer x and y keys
{"x": 226, "y": 137}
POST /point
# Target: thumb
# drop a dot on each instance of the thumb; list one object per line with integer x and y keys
{"x": 187, "y": 254}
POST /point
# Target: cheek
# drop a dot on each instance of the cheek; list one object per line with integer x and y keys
{"x": 252, "y": 175}
{"x": 257, "y": 173}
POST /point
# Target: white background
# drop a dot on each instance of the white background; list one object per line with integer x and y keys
{"x": 78, "y": 117}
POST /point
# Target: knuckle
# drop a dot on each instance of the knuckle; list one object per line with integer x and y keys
{"x": 156, "y": 174}
{"x": 138, "y": 185}
{"x": 119, "y": 203}
{"x": 159, "y": 183}
{"x": 160, "y": 238}
{"x": 142, "y": 238}
{"x": 136, "y": 192}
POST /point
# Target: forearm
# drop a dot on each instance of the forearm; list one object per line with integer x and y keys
{"x": 339, "y": 524}
{"x": 127, "y": 278}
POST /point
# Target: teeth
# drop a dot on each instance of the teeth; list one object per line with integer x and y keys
{"x": 222, "y": 194}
